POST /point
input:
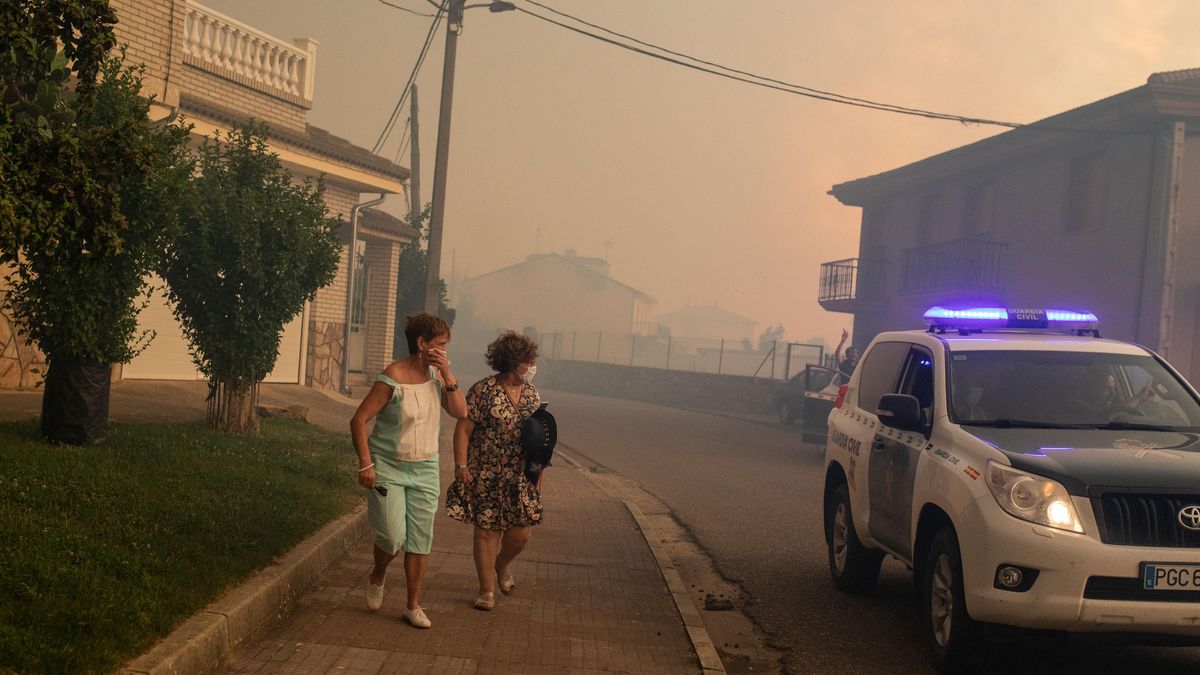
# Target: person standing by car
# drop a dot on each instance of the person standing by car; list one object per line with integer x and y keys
{"x": 490, "y": 488}
{"x": 847, "y": 364}
{"x": 399, "y": 461}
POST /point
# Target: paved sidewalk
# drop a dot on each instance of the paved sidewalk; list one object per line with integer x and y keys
{"x": 590, "y": 598}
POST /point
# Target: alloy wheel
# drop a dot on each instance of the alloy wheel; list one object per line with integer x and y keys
{"x": 941, "y": 599}
{"x": 840, "y": 537}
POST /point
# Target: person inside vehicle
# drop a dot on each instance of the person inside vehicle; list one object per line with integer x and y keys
{"x": 1102, "y": 394}
{"x": 846, "y": 364}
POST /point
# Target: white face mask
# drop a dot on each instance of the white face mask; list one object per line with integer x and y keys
{"x": 527, "y": 376}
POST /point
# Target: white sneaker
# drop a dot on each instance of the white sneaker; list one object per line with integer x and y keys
{"x": 374, "y": 595}
{"x": 417, "y": 618}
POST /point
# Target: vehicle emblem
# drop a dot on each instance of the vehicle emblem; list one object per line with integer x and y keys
{"x": 1189, "y": 517}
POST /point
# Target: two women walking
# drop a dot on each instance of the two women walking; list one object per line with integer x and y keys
{"x": 398, "y": 461}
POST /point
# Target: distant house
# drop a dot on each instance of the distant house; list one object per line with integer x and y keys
{"x": 554, "y": 292}
{"x": 708, "y": 321}
{"x": 217, "y": 72}
{"x": 1095, "y": 208}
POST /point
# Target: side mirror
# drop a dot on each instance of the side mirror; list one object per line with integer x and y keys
{"x": 901, "y": 411}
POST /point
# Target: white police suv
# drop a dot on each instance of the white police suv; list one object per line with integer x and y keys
{"x": 1031, "y": 473}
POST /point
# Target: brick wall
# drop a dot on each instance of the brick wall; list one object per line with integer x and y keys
{"x": 330, "y": 303}
{"x": 229, "y": 94}
{"x": 146, "y": 27}
{"x": 339, "y": 199}
{"x": 383, "y": 259}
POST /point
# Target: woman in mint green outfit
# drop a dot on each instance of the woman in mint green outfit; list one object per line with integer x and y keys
{"x": 398, "y": 462}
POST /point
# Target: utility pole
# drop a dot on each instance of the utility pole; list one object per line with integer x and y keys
{"x": 414, "y": 179}
{"x": 441, "y": 157}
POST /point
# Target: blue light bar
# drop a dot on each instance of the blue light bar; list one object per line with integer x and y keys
{"x": 982, "y": 318}
{"x": 978, "y": 314}
{"x": 1061, "y": 315}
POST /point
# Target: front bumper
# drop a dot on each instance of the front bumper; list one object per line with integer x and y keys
{"x": 1083, "y": 585}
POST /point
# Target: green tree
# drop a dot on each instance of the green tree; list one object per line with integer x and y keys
{"x": 770, "y": 336}
{"x": 410, "y": 284}
{"x": 88, "y": 195}
{"x": 253, "y": 247}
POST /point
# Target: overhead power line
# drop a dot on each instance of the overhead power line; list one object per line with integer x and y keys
{"x": 391, "y": 123}
{"x": 404, "y": 9}
{"x": 405, "y": 136}
{"x": 748, "y": 77}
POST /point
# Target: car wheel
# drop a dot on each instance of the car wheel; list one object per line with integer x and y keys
{"x": 854, "y": 568}
{"x": 786, "y": 416}
{"x": 952, "y": 633}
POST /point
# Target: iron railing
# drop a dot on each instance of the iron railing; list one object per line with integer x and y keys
{"x": 849, "y": 279}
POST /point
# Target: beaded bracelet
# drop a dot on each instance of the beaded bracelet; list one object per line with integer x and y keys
{"x": 366, "y": 467}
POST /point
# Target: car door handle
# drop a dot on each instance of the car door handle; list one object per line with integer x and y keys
{"x": 878, "y": 445}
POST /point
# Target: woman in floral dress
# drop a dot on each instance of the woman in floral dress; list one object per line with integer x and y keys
{"x": 490, "y": 489}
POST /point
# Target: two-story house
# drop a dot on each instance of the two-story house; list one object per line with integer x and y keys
{"x": 553, "y": 292}
{"x": 215, "y": 72}
{"x": 1096, "y": 208}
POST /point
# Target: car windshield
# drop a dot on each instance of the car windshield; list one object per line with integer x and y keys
{"x": 1041, "y": 389}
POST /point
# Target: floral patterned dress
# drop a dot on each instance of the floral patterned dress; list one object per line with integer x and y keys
{"x": 499, "y": 495}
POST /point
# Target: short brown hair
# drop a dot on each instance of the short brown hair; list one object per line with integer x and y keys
{"x": 509, "y": 350}
{"x": 423, "y": 325}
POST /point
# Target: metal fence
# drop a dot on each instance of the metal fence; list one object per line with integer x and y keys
{"x": 725, "y": 357}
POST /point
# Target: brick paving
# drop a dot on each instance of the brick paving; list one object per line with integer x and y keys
{"x": 590, "y": 599}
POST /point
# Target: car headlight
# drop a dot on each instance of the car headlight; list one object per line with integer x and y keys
{"x": 1032, "y": 498}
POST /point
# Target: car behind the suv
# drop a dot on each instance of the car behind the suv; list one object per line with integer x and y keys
{"x": 806, "y": 399}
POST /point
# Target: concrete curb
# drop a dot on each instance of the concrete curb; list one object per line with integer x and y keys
{"x": 203, "y": 642}
{"x": 702, "y": 644}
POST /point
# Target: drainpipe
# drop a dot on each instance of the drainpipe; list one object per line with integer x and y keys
{"x": 350, "y": 287}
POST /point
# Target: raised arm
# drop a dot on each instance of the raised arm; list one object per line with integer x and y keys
{"x": 453, "y": 401}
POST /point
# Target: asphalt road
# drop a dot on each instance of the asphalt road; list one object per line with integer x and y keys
{"x": 750, "y": 492}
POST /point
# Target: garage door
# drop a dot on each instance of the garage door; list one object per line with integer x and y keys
{"x": 167, "y": 356}
{"x": 289, "y": 365}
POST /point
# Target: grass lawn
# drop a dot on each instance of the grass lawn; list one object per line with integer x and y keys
{"x": 105, "y": 549}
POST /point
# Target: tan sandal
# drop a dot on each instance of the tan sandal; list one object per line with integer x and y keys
{"x": 486, "y": 601}
{"x": 507, "y": 584}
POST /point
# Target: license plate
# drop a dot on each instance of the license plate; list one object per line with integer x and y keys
{"x": 1169, "y": 577}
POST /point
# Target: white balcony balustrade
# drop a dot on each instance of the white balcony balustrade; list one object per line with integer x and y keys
{"x": 224, "y": 45}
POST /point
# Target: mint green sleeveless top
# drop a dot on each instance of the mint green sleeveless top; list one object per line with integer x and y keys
{"x": 408, "y": 426}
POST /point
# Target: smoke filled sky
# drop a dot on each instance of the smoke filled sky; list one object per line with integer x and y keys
{"x": 701, "y": 189}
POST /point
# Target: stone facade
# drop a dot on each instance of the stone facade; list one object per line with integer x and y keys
{"x": 325, "y": 350}
{"x": 21, "y": 363}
